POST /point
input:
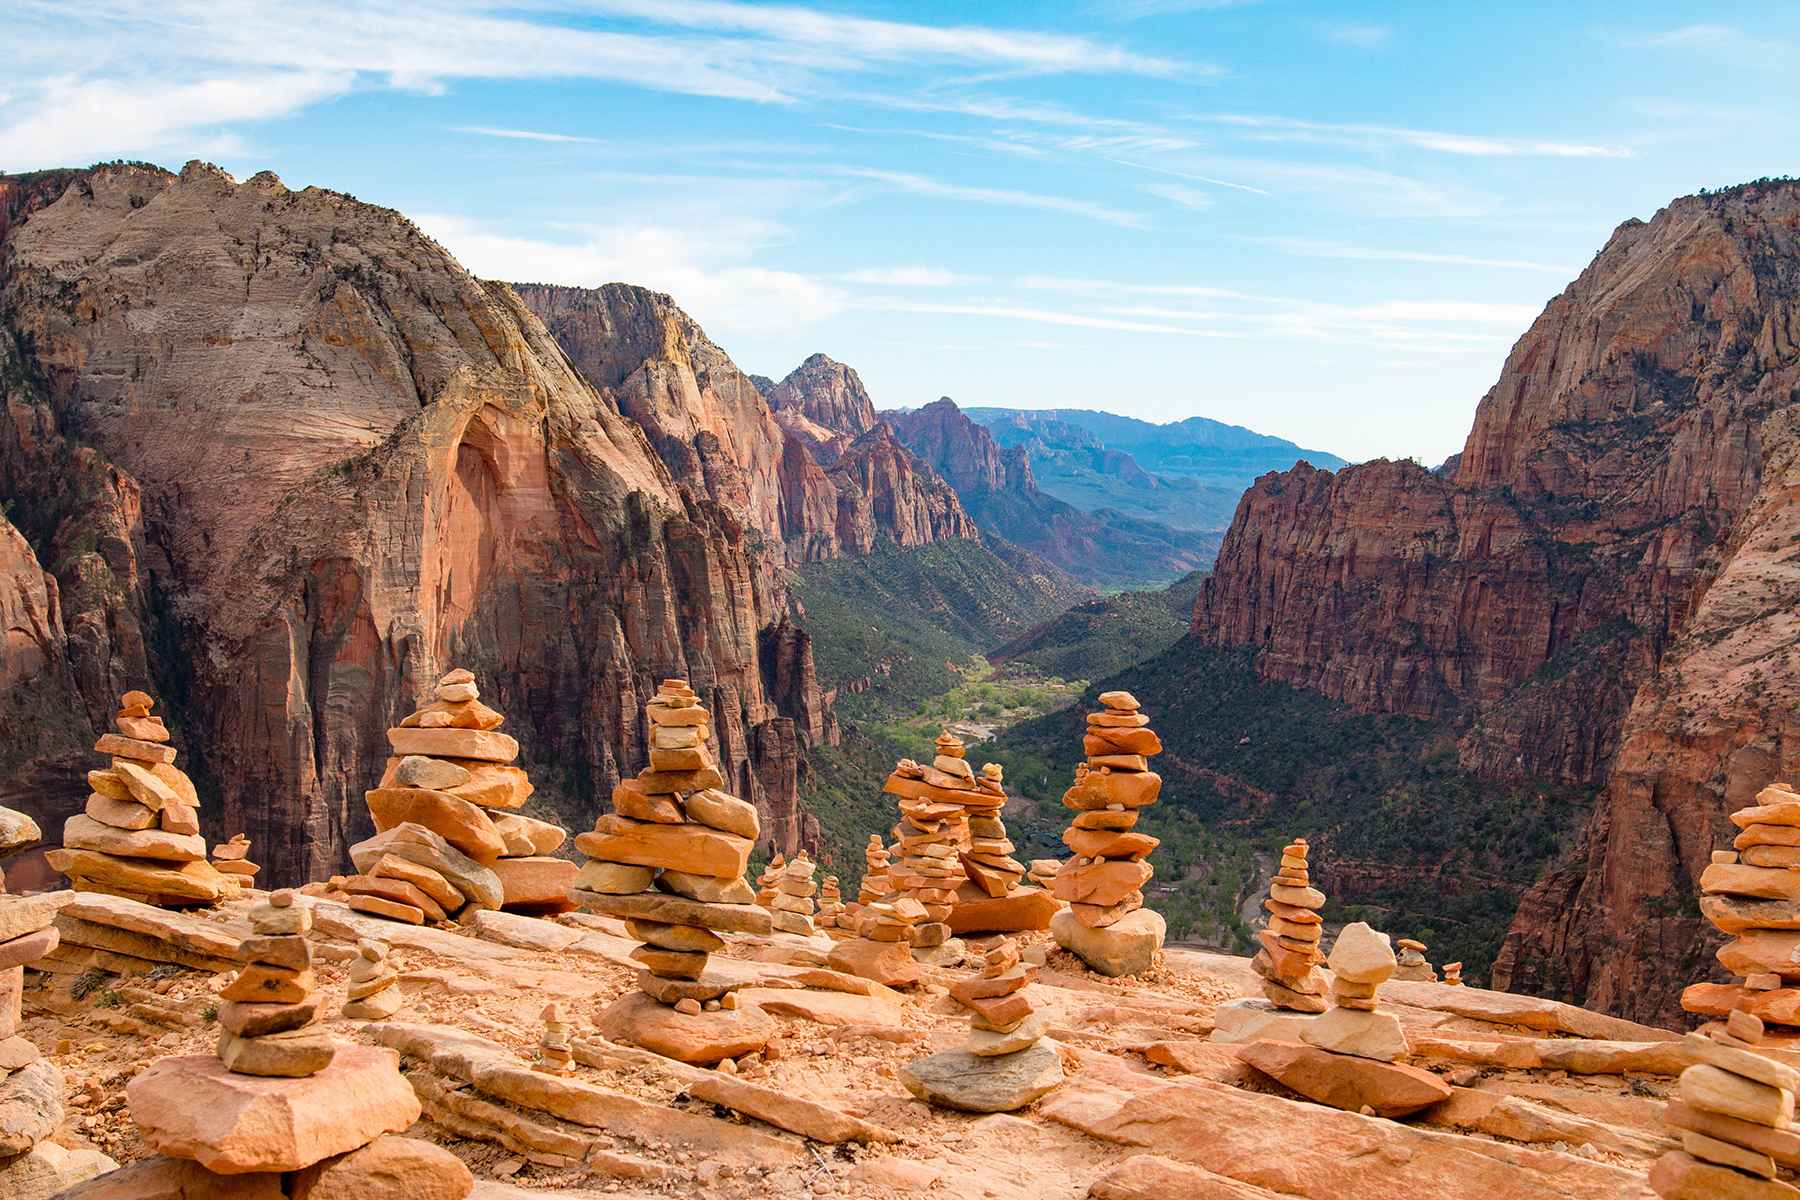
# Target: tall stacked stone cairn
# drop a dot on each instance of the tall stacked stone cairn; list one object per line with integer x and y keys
{"x": 1005, "y": 1064}
{"x": 793, "y": 904}
{"x": 451, "y": 777}
{"x": 1413, "y": 966}
{"x": 995, "y": 899}
{"x": 280, "y": 1096}
{"x": 1734, "y": 1113}
{"x": 31, "y": 1087}
{"x": 1106, "y": 923}
{"x": 670, "y": 859}
{"x": 768, "y": 883}
{"x": 1752, "y": 894}
{"x": 876, "y": 884}
{"x": 139, "y": 836}
{"x": 930, "y": 834}
{"x": 374, "y": 993}
{"x": 1349, "y": 1057}
{"x": 1289, "y": 955}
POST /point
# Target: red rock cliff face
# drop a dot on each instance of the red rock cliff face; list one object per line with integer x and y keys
{"x": 287, "y": 461}
{"x": 1601, "y": 580}
{"x": 824, "y": 403}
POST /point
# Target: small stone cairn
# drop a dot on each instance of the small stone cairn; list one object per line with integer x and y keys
{"x": 793, "y": 904}
{"x": 831, "y": 905}
{"x": 139, "y": 836}
{"x": 264, "y": 1024}
{"x": 554, "y": 1054}
{"x": 882, "y": 947}
{"x": 932, "y": 829}
{"x": 1361, "y": 961}
{"x": 875, "y": 882}
{"x": 768, "y": 884}
{"x": 1042, "y": 872}
{"x": 233, "y": 858}
{"x": 1103, "y": 883}
{"x": 1453, "y": 974}
{"x": 1413, "y": 967}
{"x": 670, "y": 860}
{"x": 1290, "y": 944}
{"x": 1733, "y": 1106}
{"x": 374, "y": 993}
{"x": 31, "y": 1087}
{"x": 1745, "y": 893}
{"x": 450, "y": 786}
{"x": 1005, "y": 1065}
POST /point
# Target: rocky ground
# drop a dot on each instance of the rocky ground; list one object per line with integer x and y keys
{"x": 1549, "y": 1100}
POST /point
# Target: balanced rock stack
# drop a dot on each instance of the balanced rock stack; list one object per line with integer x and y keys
{"x": 1751, "y": 893}
{"x": 1413, "y": 966}
{"x": 554, "y": 1055}
{"x": 1042, "y": 872}
{"x": 264, "y": 1022}
{"x": 670, "y": 860}
{"x": 1290, "y": 944}
{"x": 233, "y": 858}
{"x": 1005, "y": 1065}
{"x": 1453, "y": 974}
{"x": 1349, "y": 1058}
{"x": 31, "y": 1087}
{"x": 1104, "y": 880}
{"x": 1734, "y": 1114}
{"x": 768, "y": 884}
{"x": 280, "y": 1097}
{"x": 793, "y": 904}
{"x": 831, "y": 904}
{"x": 374, "y": 993}
{"x": 882, "y": 947}
{"x": 451, "y": 777}
{"x": 995, "y": 899}
{"x": 929, "y": 836}
{"x": 139, "y": 836}
{"x": 875, "y": 882}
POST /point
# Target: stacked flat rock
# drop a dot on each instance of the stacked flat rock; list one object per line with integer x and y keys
{"x": 31, "y": 1087}
{"x": 994, "y": 898}
{"x": 882, "y": 947}
{"x": 233, "y": 858}
{"x": 451, "y": 778}
{"x": 928, "y": 839}
{"x": 876, "y": 885}
{"x": 1453, "y": 974}
{"x": 1103, "y": 882}
{"x": 554, "y": 1055}
{"x": 1734, "y": 1112}
{"x": 1413, "y": 966}
{"x": 1004, "y": 1065}
{"x": 1290, "y": 944}
{"x": 1361, "y": 961}
{"x": 831, "y": 904}
{"x": 768, "y": 884}
{"x": 1751, "y": 893}
{"x": 793, "y": 904}
{"x": 139, "y": 836}
{"x": 264, "y": 1024}
{"x": 374, "y": 993}
{"x": 1042, "y": 872}
{"x": 670, "y": 859}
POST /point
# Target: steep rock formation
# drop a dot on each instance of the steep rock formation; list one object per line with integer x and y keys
{"x": 282, "y": 453}
{"x": 1594, "y": 580}
{"x": 997, "y": 488}
{"x": 881, "y": 486}
{"x": 824, "y": 403}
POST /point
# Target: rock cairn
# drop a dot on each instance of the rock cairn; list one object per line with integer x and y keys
{"x": 882, "y": 947}
{"x": 554, "y": 1054}
{"x": 1104, "y": 880}
{"x": 670, "y": 860}
{"x": 233, "y": 858}
{"x": 374, "y": 993}
{"x": 31, "y": 1087}
{"x": 793, "y": 904}
{"x": 1732, "y": 1107}
{"x": 448, "y": 835}
{"x": 280, "y": 1096}
{"x": 1453, "y": 974}
{"x": 995, "y": 898}
{"x": 1361, "y": 961}
{"x": 929, "y": 836}
{"x": 1749, "y": 893}
{"x": 831, "y": 905}
{"x": 1290, "y": 944}
{"x": 139, "y": 836}
{"x": 1413, "y": 966}
{"x": 1042, "y": 872}
{"x": 1005, "y": 1065}
{"x": 768, "y": 884}
{"x": 876, "y": 885}
{"x": 265, "y": 1022}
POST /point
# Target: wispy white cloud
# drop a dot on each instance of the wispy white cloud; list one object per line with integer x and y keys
{"x": 921, "y": 185}
{"x": 1066, "y": 283}
{"x": 910, "y": 276}
{"x": 999, "y": 108}
{"x": 708, "y": 275}
{"x": 1040, "y": 316}
{"x": 1360, "y": 35}
{"x": 1175, "y": 193}
{"x": 1137, "y": 10}
{"x": 998, "y": 145}
{"x": 1290, "y": 129}
{"x": 1312, "y": 249}
{"x": 524, "y": 135}
{"x": 1193, "y": 176}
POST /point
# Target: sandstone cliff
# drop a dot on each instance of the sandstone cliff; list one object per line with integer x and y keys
{"x": 997, "y": 488}
{"x": 1592, "y": 586}
{"x": 280, "y": 455}
{"x": 824, "y": 403}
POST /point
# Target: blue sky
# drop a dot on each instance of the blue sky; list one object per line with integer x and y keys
{"x": 1323, "y": 221}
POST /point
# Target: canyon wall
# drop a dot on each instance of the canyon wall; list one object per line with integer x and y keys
{"x": 1596, "y": 590}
